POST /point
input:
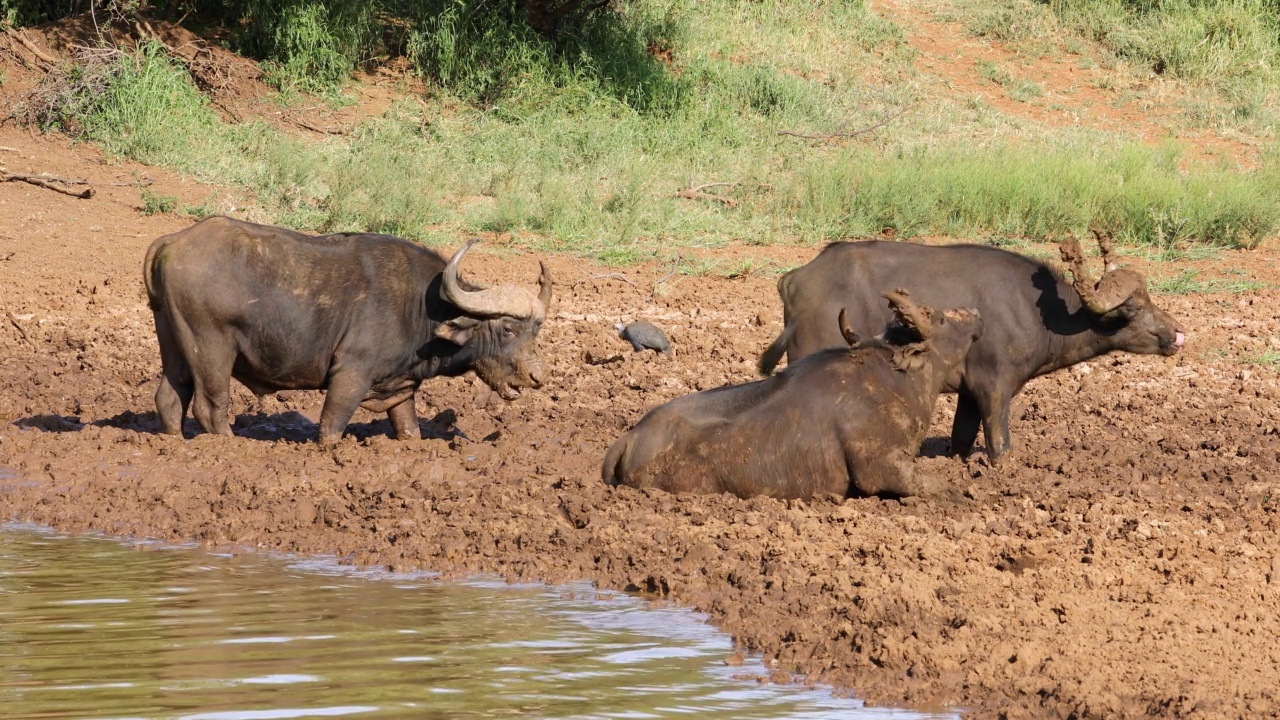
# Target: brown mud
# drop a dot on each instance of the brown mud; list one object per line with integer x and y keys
{"x": 1124, "y": 561}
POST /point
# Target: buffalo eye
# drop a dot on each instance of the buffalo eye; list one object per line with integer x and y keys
{"x": 508, "y": 332}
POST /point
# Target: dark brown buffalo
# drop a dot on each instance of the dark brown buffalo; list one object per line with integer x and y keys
{"x": 365, "y": 317}
{"x": 844, "y": 421}
{"x": 1036, "y": 320}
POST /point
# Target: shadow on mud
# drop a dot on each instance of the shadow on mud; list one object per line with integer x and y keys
{"x": 933, "y": 447}
{"x": 289, "y": 427}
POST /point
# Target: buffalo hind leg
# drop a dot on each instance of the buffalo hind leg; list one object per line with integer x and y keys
{"x": 343, "y": 396}
{"x": 964, "y": 430}
{"x": 174, "y": 393}
{"x": 404, "y": 421}
{"x": 212, "y": 373}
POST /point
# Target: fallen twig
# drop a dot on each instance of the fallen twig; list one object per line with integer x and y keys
{"x": 144, "y": 182}
{"x": 6, "y": 148}
{"x": 675, "y": 268}
{"x": 605, "y": 276}
{"x": 22, "y": 38}
{"x": 326, "y": 131}
{"x": 696, "y": 192}
{"x": 14, "y": 320}
{"x": 48, "y": 182}
{"x": 845, "y": 135}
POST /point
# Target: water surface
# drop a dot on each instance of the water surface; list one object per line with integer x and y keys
{"x": 98, "y": 628}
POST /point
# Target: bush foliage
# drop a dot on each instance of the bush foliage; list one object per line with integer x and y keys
{"x": 579, "y": 141}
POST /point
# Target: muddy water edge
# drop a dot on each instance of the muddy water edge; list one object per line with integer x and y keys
{"x": 94, "y": 627}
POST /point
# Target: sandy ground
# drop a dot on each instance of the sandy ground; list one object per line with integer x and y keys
{"x": 1123, "y": 563}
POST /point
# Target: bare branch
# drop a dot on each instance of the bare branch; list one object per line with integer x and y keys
{"x": 675, "y": 268}
{"x": 606, "y": 276}
{"x": 50, "y": 182}
{"x": 322, "y": 130}
{"x": 696, "y": 192}
{"x": 22, "y": 38}
{"x": 845, "y": 135}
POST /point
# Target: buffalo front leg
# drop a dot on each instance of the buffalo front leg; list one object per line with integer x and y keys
{"x": 892, "y": 474}
{"x": 964, "y": 430}
{"x": 344, "y": 395}
{"x": 404, "y": 421}
{"x": 995, "y": 425}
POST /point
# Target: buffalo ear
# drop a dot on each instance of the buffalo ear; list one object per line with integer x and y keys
{"x": 458, "y": 330}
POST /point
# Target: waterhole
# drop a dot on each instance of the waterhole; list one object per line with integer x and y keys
{"x": 92, "y": 627}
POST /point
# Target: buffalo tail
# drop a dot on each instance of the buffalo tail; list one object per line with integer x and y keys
{"x": 773, "y": 354}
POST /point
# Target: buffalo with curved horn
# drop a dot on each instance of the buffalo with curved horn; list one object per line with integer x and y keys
{"x": 1036, "y": 320}
{"x": 364, "y": 317}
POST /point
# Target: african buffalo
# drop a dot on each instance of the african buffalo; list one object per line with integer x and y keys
{"x": 365, "y": 317}
{"x": 1036, "y": 321}
{"x": 842, "y": 421}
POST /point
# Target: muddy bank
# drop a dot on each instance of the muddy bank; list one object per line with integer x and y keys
{"x": 1123, "y": 563}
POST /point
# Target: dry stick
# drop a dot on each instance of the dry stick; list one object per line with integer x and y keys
{"x": 22, "y": 38}
{"x": 21, "y": 332}
{"x": 604, "y": 276}
{"x": 675, "y": 267}
{"x": 852, "y": 134}
{"x": 326, "y": 131}
{"x": 6, "y": 148}
{"x": 47, "y": 182}
{"x": 695, "y": 193}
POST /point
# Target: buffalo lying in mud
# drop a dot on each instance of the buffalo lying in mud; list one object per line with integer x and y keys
{"x": 365, "y": 317}
{"x": 844, "y": 421}
{"x": 1036, "y": 321}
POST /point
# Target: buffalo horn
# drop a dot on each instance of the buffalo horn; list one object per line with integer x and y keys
{"x": 504, "y": 300}
{"x": 1115, "y": 286}
{"x": 850, "y": 336}
{"x": 544, "y": 286}
{"x": 911, "y": 315}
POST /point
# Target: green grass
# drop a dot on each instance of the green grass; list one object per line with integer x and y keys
{"x": 1266, "y": 357}
{"x": 581, "y": 146}
{"x": 1190, "y": 282}
{"x": 1019, "y": 89}
{"x": 153, "y": 204}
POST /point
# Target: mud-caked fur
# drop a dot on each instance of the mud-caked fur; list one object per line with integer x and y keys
{"x": 846, "y": 421}
{"x": 1036, "y": 321}
{"x": 361, "y": 316}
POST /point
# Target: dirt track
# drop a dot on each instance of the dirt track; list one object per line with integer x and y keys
{"x": 1123, "y": 563}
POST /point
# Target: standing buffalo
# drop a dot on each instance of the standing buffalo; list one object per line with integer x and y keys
{"x": 1036, "y": 321}
{"x": 842, "y": 421}
{"x": 365, "y": 317}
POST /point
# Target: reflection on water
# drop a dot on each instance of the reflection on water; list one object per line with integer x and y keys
{"x": 94, "y": 628}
